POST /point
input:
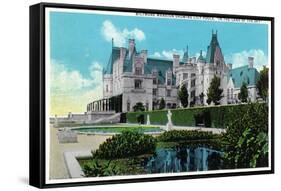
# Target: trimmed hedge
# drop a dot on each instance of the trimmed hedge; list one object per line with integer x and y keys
{"x": 212, "y": 116}
{"x": 183, "y": 135}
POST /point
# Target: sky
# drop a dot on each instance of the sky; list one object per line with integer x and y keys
{"x": 80, "y": 47}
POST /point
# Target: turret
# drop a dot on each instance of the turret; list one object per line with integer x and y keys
{"x": 131, "y": 47}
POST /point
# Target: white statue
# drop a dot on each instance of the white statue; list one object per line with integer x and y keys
{"x": 169, "y": 124}
{"x": 147, "y": 120}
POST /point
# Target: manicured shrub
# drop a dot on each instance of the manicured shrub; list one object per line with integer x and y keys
{"x": 246, "y": 140}
{"x": 183, "y": 135}
{"x": 126, "y": 144}
{"x": 212, "y": 116}
{"x": 94, "y": 168}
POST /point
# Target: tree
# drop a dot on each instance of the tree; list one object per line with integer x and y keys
{"x": 262, "y": 83}
{"x": 183, "y": 96}
{"x": 245, "y": 142}
{"x": 243, "y": 95}
{"x": 214, "y": 92}
{"x": 162, "y": 104}
{"x": 139, "y": 107}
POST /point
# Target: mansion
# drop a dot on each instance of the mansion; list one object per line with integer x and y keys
{"x": 131, "y": 76}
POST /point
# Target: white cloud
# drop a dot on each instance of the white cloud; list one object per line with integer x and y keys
{"x": 167, "y": 54}
{"x": 96, "y": 73}
{"x": 71, "y": 90}
{"x": 241, "y": 58}
{"x": 110, "y": 31}
{"x": 65, "y": 80}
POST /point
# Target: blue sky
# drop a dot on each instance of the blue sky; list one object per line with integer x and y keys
{"x": 81, "y": 43}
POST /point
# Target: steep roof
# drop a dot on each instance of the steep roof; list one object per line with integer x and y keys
{"x": 212, "y": 49}
{"x": 160, "y": 64}
{"x": 244, "y": 74}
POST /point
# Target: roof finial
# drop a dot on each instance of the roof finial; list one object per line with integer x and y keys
{"x": 200, "y": 52}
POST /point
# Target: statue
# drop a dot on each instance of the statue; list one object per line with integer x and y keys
{"x": 147, "y": 120}
{"x": 169, "y": 125}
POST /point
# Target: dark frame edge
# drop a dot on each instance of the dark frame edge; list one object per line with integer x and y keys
{"x": 36, "y": 133}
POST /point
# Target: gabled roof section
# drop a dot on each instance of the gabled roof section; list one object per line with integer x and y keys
{"x": 213, "y": 50}
{"x": 115, "y": 54}
{"x": 244, "y": 74}
{"x": 161, "y": 65}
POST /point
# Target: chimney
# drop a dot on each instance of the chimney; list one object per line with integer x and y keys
{"x": 229, "y": 65}
{"x": 131, "y": 46}
{"x": 251, "y": 61}
{"x": 193, "y": 60}
{"x": 176, "y": 61}
{"x": 122, "y": 53}
{"x": 144, "y": 55}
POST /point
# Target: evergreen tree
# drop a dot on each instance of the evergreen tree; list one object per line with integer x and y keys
{"x": 162, "y": 104}
{"x": 214, "y": 92}
{"x": 262, "y": 84}
{"x": 243, "y": 95}
{"x": 139, "y": 107}
{"x": 183, "y": 96}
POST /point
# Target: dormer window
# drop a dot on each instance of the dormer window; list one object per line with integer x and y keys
{"x": 138, "y": 71}
{"x": 169, "y": 82}
{"x": 138, "y": 84}
{"x": 154, "y": 81}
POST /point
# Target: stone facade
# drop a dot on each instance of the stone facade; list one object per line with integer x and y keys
{"x": 134, "y": 77}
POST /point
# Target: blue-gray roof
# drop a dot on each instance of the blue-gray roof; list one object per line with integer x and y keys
{"x": 244, "y": 74}
{"x": 214, "y": 44}
{"x": 160, "y": 64}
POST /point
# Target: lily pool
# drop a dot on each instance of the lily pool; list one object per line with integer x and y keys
{"x": 184, "y": 157}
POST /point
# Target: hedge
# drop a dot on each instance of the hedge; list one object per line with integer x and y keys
{"x": 211, "y": 116}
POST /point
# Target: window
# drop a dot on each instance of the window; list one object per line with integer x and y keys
{"x": 138, "y": 71}
{"x": 106, "y": 88}
{"x": 128, "y": 106}
{"x": 154, "y": 92}
{"x": 169, "y": 82}
{"x": 168, "y": 105}
{"x": 228, "y": 93}
{"x": 154, "y": 81}
{"x": 192, "y": 83}
{"x": 185, "y": 76}
{"x": 168, "y": 93}
{"x": 138, "y": 84}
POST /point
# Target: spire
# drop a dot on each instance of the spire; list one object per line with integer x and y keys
{"x": 201, "y": 58}
{"x": 185, "y": 55}
{"x": 214, "y": 48}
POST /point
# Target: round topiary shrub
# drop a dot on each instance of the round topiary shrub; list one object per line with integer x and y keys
{"x": 126, "y": 144}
